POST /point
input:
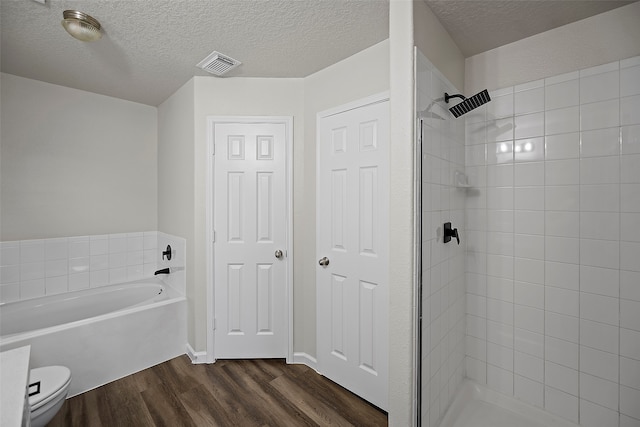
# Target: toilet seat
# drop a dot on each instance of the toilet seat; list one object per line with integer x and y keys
{"x": 53, "y": 381}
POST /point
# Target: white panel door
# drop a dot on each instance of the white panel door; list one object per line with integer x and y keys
{"x": 352, "y": 218}
{"x": 250, "y": 240}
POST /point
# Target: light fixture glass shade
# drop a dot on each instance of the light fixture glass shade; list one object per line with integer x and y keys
{"x": 81, "y": 26}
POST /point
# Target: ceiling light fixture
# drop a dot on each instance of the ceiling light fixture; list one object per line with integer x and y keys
{"x": 81, "y": 26}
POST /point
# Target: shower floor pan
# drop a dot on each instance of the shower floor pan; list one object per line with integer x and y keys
{"x": 477, "y": 406}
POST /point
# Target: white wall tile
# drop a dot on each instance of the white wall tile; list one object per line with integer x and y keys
{"x": 600, "y": 142}
{"x": 561, "y": 404}
{"x": 630, "y": 81}
{"x": 562, "y": 249}
{"x": 528, "y": 342}
{"x": 500, "y": 220}
{"x": 9, "y": 253}
{"x": 500, "y": 106}
{"x": 499, "y": 152}
{"x": 79, "y": 281}
{"x": 600, "y": 170}
{"x": 561, "y": 352}
{"x": 630, "y": 372}
{"x": 56, "y": 249}
{"x": 476, "y": 370}
{"x": 529, "y": 198}
{"x": 599, "y": 363}
{"x": 630, "y": 62}
{"x": 562, "y": 327}
{"x": 600, "y": 198}
{"x": 598, "y": 115}
{"x": 601, "y": 281}
{"x": 562, "y": 172}
{"x": 593, "y": 415}
{"x": 562, "y": 146}
{"x": 117, "y": 243}
{"x": 561, "y": 378}
{"x": 79, "y": 247}
{"x": 600, "y": 87}
{"x": 32, "y": 271}
{"x": 562, "y": 275}
{"x": 529, "y": 366}
{"x": 630, "y": 197}
{"x": 500, "y": 311}
{"x": 529, "y": 222}
{"x": 630, "y": 226}
{"x": 529, "y": 150}
{"x": 630, "y": 285}
{"x": 32, "y": 288}
{"x": 529, "y": 246}
{"x": 500, "y": 356}
{"x": 563, "y": 120}
{"x": 500, "y": 175}
{"x": 56, "y": 285}
{"x": 476, "y": 348}
{"x": 573, "y": 75}
{"x": 500, "y": 380}
{"x": 528, "y": 294}
{"x": 55, "y": 268}
{"x": 629, "y": 398}
{"x": 561, "y": 95}
{"x": 99, "y": 245}
{"x": 31, "y": 251}
{"x": 500, "y": 130}
{"x": 529, "y": 126}
{"x": 529, "y": 101}
{"x": 598, "y": 390}
{"x": 530, "y": 270}
{"x": 562, "y": 223}
{"x": 563, "y": 198}
{"x": 528, "y": 390}
{"x": 500, "y": 266}
{"x": 9, "y": 274}
{"x": 629, "y": 256}
{"x": 630, "y": 136}
{"x": 629, "y": 168}
{"x": 599, "y": 336}
{"x": 630, "y": 314}
{"x": 529, "y": 174}
{"x": 10, "y": 292}
{"x": 599, "y": 308}
{"x": 600, "y": 225}
{"x": 562, "y": 301}
{"x": 529, "y": 319}
{"x": 630, "y": 110}
{"x": 626, "y": 421}
{"x": 499, "y": 288}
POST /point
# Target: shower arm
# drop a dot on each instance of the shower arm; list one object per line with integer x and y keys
{"x": 447, "y": 97}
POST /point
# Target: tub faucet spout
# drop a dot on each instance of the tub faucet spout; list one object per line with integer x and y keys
{"x": 163, "y": 271}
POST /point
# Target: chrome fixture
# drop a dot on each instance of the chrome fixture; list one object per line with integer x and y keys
{"x": 167, "y": 253}
{"x": 324, "y": 261}
{"x": 81, "y": 26}
{"x": 278, "y": 254}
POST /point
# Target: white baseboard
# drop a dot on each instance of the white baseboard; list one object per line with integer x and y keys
{"x": 305, "y": 359}
{"x": 196, "y": 356}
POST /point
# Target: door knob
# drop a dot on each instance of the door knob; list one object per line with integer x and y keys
{"x": 278, "y": 254}
{"x": 324, "y": 261}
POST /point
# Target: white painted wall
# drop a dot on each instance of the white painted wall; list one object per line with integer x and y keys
{"x": 363, "y": 74}
{"x": 175, "y": 179}
{"x": 240, "y": 97}
{"x": 71, "y": 160}
{"x": 600, "y": 39}
{"x": 437, "y": 45}
{"x": 401, "y": 216}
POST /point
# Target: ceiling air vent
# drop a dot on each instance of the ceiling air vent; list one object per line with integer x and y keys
{"x": 218, "y": 64}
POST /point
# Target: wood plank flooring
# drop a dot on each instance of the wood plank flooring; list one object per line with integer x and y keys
{"x": 226, "y": 393}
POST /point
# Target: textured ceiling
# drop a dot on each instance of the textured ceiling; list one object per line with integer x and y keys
{"x": 150, "y": 47}
{"x": 480, "y": 25}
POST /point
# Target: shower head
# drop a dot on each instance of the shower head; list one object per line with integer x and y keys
{"x": 467, "y": 104}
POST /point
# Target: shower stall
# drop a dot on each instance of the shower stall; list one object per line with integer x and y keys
{"x": 534, "y": 314}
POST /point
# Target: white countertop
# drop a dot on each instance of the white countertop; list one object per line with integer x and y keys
{"x": 14, "y": 377}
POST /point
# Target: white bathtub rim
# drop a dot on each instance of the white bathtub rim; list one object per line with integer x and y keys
{"x": 470, "y": 390}
{"x": 176, "y": 297}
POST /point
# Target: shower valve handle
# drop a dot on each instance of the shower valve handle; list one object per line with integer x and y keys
{"x": 449, "y": 233}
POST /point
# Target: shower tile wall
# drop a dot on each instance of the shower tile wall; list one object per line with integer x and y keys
{"x": 553, "y": 244}
{"x": 33, "y": 268}
{"x": 443, "y": 264}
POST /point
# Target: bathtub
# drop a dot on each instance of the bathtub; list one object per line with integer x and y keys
{"x": 101, "y": 334}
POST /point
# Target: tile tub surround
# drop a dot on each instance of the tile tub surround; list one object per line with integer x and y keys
{"x": 33, "y": 268}
{"x": 552, "y": 272}
{"x": 443, "y": 264}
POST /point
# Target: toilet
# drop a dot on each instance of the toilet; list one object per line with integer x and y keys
{"x": 47, "y": 398}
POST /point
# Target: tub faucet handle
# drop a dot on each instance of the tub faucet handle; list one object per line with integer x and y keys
{"x": 167, "y": 253}
{"x": 449, "y": 233}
